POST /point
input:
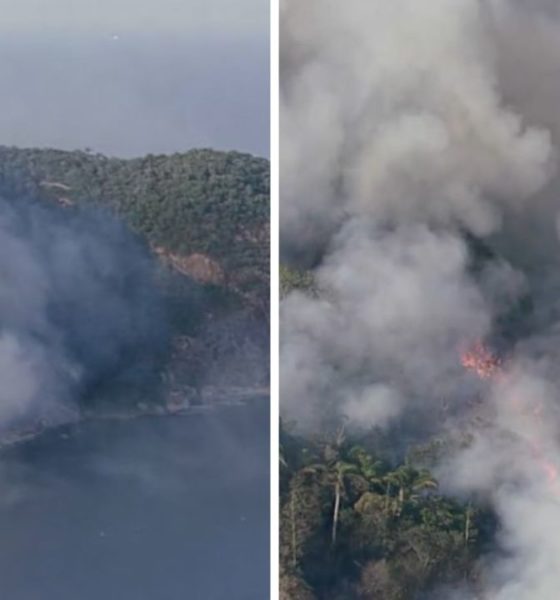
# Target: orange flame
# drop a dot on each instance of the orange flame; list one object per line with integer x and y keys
{"x": 480, "y": 360}
{"x": 548, "y": 468}
{"x": 551, "y": 473}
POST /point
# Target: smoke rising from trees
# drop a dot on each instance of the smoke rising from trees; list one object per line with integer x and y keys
{"x": 408, "y": 130}
{"x": 78, "y": 310}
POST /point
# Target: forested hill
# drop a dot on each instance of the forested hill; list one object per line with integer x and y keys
{"x": 205, "y": 212}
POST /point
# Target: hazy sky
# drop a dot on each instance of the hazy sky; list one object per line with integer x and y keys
{"x": 128, "y": 77}
{"x": 180, "y": 16}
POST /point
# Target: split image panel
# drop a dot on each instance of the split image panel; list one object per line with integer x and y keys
{"x": 419, "y": 246}
{"x": 134, "y": 300}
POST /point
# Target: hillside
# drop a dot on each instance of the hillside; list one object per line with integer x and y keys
{"x": 362, "y": 513}
{"x": 204, "y": 215}
{"x": 205, "y": 212}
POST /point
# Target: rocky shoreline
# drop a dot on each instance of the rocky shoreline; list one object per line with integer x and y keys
{"x": 207, "y": 399}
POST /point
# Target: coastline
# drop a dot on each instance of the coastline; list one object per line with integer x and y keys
{"x": 208, "y": 399}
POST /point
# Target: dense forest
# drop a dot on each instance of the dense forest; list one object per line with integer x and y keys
{"x": 209, "y": 206}
{"x": 203, "y": 216}
{"x": 353, "y": 525}
{"x": 361, "y": 520}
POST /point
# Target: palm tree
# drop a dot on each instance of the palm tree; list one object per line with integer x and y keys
{"x": 370, "y": 469}
{"x": 469, "y": 513}
{"x": 340, "y": 471}
{"x": 282, "y": 458}
{"x": 410, "y": 484}
{"x": 336, "y": 470}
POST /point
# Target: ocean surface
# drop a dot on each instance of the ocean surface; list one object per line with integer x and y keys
{"x": 173, "y": 508}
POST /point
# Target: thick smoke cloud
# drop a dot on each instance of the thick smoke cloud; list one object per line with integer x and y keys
{"x": 373, "y": 340}
{"x": 410, "y": 131}
{"x": 77, "y": 311}
{"x": 395, "y": 110}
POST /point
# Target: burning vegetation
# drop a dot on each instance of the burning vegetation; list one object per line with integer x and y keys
{"x": 429, "y": 217}
{"x": 480, "y": 360}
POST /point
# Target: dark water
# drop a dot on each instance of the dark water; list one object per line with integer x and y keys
{"x": 152, "y": 509}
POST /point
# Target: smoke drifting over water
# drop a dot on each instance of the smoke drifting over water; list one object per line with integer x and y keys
{"x": 409, "y": 131}
{"x": 78, "y": 311}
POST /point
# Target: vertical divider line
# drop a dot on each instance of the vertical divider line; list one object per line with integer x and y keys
{"x": 274, "y": 295}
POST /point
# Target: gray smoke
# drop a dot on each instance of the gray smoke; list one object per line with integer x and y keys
{"x": 78, "y": 311}
{"x": 408, "y": 130}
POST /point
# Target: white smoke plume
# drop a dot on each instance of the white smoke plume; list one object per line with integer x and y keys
{"x": 408, "y": 130}
{"x": 78, "y": 311}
